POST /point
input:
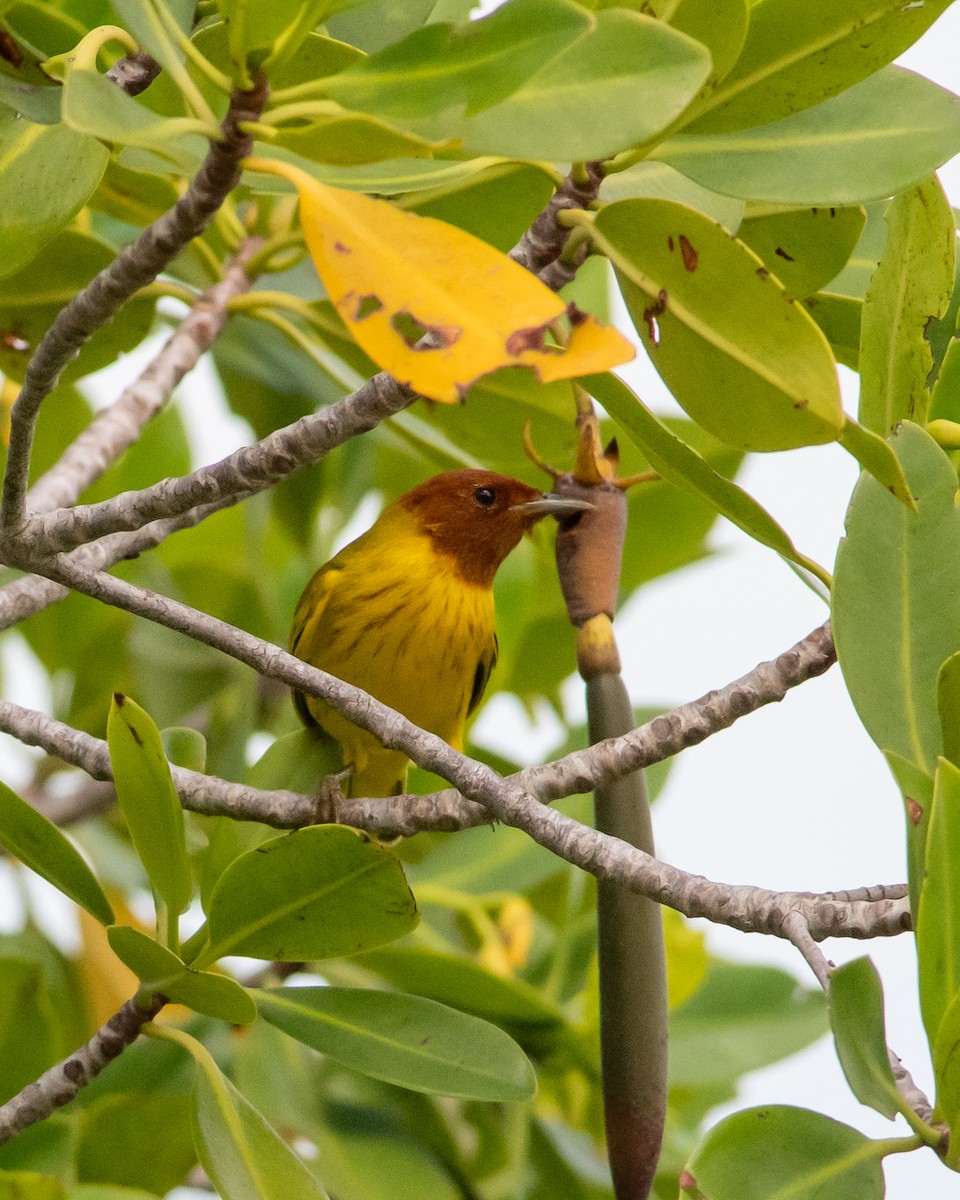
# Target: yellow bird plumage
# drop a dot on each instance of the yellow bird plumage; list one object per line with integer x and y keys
{"x": 406, "y": 613}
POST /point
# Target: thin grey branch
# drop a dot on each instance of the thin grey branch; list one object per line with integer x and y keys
{"x": 247, "y": 471}
{"x": 541, "y": 247}
{"x": 117, "y": 427}
{"x": 61, "y": 1083}
{"x": 686, "y": 726}
{"x": 797, "y": 930}
{"x": 133, "y": 268}
{"x": 746, "y": 908}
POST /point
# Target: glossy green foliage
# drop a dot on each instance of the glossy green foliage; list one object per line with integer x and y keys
{"x": 160, "y": 970}
{"x": 909, "y": 291}
{"x": 769, "y": 123}
{"x": 39, "y": 845}
{"x": 406, "y": 1040}
{"x": 504, "y": 83}
{"x": 797, "y": 57}
{"x": 745, "y": 361}
{"x": 149, "y": 801}
{"x": 241, "y": 1153}
{"x": 856, "y": 1017}
{"x": 314, "y": 893}
{"x": 48, "y": 174}
{"x": 763, "y": 1153}
{"x": 878, "y": 138}
{"x": 896, "y": 604}
{"x": 31, "y": 298}
{"x": 938, "y": 926}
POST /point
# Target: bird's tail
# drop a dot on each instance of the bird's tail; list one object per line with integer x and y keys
{"x": 383, "y": 773}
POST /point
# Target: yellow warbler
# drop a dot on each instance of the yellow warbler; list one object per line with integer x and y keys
{"x": 406, "y": 612}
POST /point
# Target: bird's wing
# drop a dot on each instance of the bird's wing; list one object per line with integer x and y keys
{"x": 481, "y": 676}
{"x": 310, "y": 609}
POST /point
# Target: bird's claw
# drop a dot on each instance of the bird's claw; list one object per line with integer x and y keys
{"x": 330, "y": 796}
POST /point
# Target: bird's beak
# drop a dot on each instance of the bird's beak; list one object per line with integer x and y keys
{"x": 551, "y": 505}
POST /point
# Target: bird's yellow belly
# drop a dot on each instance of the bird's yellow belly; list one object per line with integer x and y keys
{"x": 415, "y": 640}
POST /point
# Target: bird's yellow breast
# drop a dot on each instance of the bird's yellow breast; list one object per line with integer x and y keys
{"x": 391, "y": 615}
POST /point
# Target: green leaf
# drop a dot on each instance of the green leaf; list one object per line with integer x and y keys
{"x": 101, "y": 1191}
{"x": 878, "y": 138}
{"x": 657, "y": 181}
{"x": 946, "y": 1067}
{"x": 839, "y": 318}
{"x": 184, "y": 747}
{"x": 350, "y": 139}
{"x": 804, "y": 248}
{"x": 798, "y": 55}
{"x": 94, "y": 105}
{"x": 720, "y": 25}
{"x": 243, "y": 1156}
{"x": 160, "y": 970}
{"x": 938, "y": 918}
{"x": 910, "y": 289}
{"x": 878, "y": 457}
{"x": 31, "y": 299}
{"x": 392, "y": 178}
{"x": 259, "y": 25}
{"x": 106, "y": 1191}
{"x": 40, "y": 845}
{"x": 854, "y": 279}
{"x": 405, "y": 1040}
{"x": 140, "y": 18}
{"x": 945, "y": 398}
{"x": 916, "y": 789}
{"x": 896, "y": 599}
{"x": 134, "y": 1139}
{"x": 782, "y": 1153}
{"x": 29, "y": 1185}
{"x": 740, "y": 1019}
{"x": 510, "y": 1003}
{"x": 682, "y": 466}
{"x": 40, "y": 104}
{"x": 506, "y": 84}
{"x": 47, "y": 174}
{"x": 319, "y": 892}
{"x": 856, "y": 1016}
{"x": 948, "y": 705}
{"x": 744, "y": 360}
{"x": 363, "y": 1156}
{"x": 149, "y": 801}
{"x": 30, "y": 1026}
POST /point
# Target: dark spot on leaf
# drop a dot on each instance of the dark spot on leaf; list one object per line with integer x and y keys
{"x": 260, "y": 850}
{"x": 424, "y": 1041}
{"x": 670, "y": 243}
{"x": 136, "y": 736}
{"x": 527, "y": 339}
{"x": 801, "y": 404}
{"x": 341, "y": 248}
{"x": 689, "y": 254}
{"x": 651, "y": 313}
{"x": 763, "y": 272}
{"x": 833, "y": 212}
{"x": 576, "y": 316}
{"x": 9, "y": 50}
{"x": 418, "y": 336}
{"x": 119, "y": 699}
{"x": 914, "y": 810}
{"x": 781, "y": 253}
{"x": 366, "y": 307}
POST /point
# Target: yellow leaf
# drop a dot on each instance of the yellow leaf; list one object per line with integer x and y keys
{"x": 434, "y": 306}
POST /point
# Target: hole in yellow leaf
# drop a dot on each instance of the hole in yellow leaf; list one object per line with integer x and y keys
{"x": 367, "y": 306}
{"x": 418, "y": 336}
{"x": 527, "y": 339}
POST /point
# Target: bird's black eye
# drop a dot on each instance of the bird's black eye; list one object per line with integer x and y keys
{"x": 484, "y": 496}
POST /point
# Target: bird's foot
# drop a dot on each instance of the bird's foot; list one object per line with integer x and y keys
{"x": 330, "y": 796}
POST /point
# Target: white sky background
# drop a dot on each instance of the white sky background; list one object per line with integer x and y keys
{"x": 794, "y": 796}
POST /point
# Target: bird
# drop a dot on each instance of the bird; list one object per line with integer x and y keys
{"x": 406, "y": 613}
